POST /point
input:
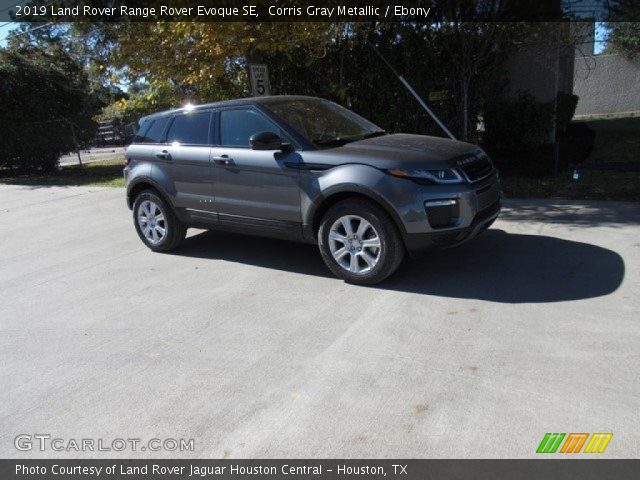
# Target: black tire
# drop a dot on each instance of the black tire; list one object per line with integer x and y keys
{"x": 175, "y": 231}
{"x": 391, "y": 247}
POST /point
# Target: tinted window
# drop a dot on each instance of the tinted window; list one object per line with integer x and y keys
{"x": 237, "y": 126}
{"x": 140, "y": 134}
{"x": 154, "y": 134}
{"x": 190, "y": 129}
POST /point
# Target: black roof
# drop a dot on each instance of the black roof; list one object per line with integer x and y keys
{"x": 227, "y": 103}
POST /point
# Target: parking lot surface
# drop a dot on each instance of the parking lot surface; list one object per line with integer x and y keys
{"x": 252, "y": 349}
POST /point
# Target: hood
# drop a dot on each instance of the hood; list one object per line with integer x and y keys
{"x": 400, "y": 151}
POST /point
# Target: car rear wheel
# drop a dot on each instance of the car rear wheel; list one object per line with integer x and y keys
{"x": 359, "y": 242}
{"x": 155, "y": 222}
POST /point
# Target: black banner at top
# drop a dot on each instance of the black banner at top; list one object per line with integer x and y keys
{"x": 320, "y": 10}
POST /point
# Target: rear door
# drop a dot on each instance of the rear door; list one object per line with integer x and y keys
{"x": 183, "y": 158}
{"x": 253, "y": 188}
{"x": 144, "y": 144}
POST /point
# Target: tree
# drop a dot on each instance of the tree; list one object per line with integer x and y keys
{"x": 201, "y": 61}
{"x": 140, "y": 101}
{"x": 46, "y": 106}
{"x": 180, "y": 62}
{"x": 624, "y": 37}
{"x": 82, "y": 43}
{"x": 624, "y": 28}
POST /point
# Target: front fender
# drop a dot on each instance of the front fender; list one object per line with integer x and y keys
{"x": 319, "y": 188}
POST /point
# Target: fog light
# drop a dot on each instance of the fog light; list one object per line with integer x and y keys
{"x": 440, "y": 203}
{"x": 442, "y": 213}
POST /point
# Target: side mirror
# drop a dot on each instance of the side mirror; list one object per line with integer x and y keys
{"x": 265, "y": 141}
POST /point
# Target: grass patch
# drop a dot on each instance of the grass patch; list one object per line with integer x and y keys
{"x": 592, "y": 185}
{"x": 104, "y": 173}
{"x": 617, "y": 140}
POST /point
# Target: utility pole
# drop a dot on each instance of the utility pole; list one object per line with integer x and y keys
{"x": 419, "y": 99}
{"x": 556, "y": 145}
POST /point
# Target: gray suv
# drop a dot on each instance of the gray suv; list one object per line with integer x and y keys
{"x": 307, "y": 169}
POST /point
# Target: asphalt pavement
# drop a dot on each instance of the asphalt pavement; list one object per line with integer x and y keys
{"x": 252, "y": 349}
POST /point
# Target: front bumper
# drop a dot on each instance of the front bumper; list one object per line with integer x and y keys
{"x": 417, "y": 242}
{"x": 479, "y": 205}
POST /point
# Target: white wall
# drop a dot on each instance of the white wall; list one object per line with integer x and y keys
{"x": 607, "y": 85}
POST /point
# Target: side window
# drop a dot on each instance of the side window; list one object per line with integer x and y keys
{"x": 190, "y": 129}
{"x": 140, "y": 134}
{"x": 237, "y": 126}
{"x": 154, "y": 134}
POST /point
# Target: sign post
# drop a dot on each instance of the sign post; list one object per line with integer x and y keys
{"x": 259, "y": 78}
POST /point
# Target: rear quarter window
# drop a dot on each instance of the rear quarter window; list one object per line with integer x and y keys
{"x": 142, "y": 131}
{"x": 155, "y": 132}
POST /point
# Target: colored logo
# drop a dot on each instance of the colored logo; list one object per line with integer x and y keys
{"x": 573, "y": 442}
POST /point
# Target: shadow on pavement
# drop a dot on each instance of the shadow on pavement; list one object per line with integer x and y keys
{"x": 514, "y": 268}
{"x": 497, "y": 266}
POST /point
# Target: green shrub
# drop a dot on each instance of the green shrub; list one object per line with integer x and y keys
{"x": 517, "y": 134}
{"x": 567, "y": 103}
{"x": 576, "y": 144}
{"x": 521, "y": 123}
{"x": 41, "y": 95}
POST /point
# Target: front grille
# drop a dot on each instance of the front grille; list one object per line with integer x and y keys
{"x": 477, "y": 169}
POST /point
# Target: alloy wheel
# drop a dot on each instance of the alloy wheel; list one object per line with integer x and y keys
{"x": 354, "y": 244}
{"x": 152, "y": 222}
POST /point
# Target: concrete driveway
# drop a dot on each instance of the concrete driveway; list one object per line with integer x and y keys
{"x": 249, "y": 347}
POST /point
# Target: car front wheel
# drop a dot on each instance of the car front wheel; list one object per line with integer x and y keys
{"x": 359, "y": 242}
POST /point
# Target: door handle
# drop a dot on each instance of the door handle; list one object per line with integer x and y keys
{"x": 164, "y": 154}
{"x": 223, "y": 160}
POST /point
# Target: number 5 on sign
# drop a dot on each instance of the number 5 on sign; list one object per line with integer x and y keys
{"x": 259, "y": 76}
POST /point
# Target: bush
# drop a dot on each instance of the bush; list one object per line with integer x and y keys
{"x": 520, "y": 123}
{"x": 41, "y": 95}
{"x": 576, "y": 143}
{"x": 516, "y": 130}
{"x": 567, "y": 103}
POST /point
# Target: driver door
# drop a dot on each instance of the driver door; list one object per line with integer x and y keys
{"x": 254, "y": 189}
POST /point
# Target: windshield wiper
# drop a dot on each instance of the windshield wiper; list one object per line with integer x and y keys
{"x": 325, "y": 142}
{"x": 337, "y": 141}
{"x": 376, "y": 133}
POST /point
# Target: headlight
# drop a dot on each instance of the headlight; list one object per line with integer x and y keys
{"x": 445, "y": 175}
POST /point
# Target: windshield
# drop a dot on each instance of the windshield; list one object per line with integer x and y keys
{"x": 323, "y": 123}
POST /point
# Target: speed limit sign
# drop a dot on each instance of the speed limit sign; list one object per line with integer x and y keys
{"x": 259, "y": 76}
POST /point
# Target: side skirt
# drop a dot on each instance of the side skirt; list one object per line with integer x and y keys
{"x": 246, "y": 225}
